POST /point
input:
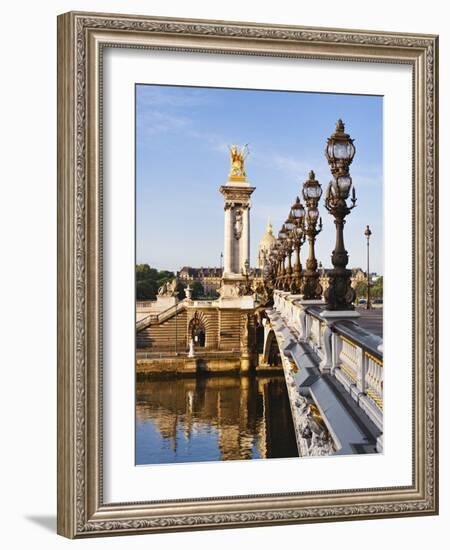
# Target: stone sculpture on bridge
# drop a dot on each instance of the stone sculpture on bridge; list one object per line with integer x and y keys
{"x": 312, "y": 429}
{"x": 169, "y": 288}
{"x": 238, "y": 157}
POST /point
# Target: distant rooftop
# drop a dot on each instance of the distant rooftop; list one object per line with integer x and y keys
{"x": 199, "y": 272}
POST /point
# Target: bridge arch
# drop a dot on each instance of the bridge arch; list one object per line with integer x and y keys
{"x": 260, "y": 339}
{"x": 198, "y": 329}
{"x": 272, "y": 354}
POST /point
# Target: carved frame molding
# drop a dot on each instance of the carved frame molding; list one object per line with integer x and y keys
{"x": 81, "y": 38}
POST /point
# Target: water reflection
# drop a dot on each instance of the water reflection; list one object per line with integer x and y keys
{"x": 216, "y": 418}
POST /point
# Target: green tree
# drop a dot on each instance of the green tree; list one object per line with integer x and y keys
{"x": 361, "y": 289}
{"x": 164, "y": 276}
{"x": 145, "y": 272}
{"x": 197, "y": 290}
{"x": 180, "y": 289}
{"x": 148, "y": 280}
{"x": 213, "y": 294}
{"x": 146, "y": 289}
{"x": 376, "y": 290}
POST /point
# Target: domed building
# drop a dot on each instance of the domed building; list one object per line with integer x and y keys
{"x": 265, "y": 246}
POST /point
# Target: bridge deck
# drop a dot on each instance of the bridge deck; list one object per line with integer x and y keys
{"x": 352, "y": 430}
{"x": 372, "y": 320}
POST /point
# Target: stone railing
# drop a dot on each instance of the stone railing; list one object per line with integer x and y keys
{"x": 346, "y": 351}
{"x": 159, "y": 316}
{"x": 146, "y": 321}
{"x": 156, "y": 318}
{"x": 144, "y": 304}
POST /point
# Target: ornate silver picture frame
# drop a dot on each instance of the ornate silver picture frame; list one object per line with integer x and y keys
{"x": 82, "y": 40}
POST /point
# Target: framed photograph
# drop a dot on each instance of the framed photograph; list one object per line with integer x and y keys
{"x": 247, "y": 235}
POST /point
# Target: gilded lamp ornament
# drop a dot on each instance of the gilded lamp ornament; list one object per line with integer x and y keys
{"x": 339, "y": 153}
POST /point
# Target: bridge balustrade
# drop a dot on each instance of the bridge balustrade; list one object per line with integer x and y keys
{"x": 146, "y": 304}
{"x": 346, "y": 351}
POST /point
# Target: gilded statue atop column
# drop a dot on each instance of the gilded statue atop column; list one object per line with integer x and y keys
{"x": 237, "y": 157}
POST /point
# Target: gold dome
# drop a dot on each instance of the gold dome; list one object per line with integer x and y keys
{"x": 268, "y": 239}
{"x": 265, "y": 245}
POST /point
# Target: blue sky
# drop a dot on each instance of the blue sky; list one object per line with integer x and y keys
{"x": 182, "y": 138}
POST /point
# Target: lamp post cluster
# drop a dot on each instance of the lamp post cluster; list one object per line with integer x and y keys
{"x": 304, "y": 224}
{"x": 312, "y": 191}
{"x": 301, "y": 224}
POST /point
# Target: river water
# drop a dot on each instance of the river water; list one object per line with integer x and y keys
{"x": 213, "y": 418}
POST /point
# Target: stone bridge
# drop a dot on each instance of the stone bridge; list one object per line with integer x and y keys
{"x": 332, "y": 362}
{"x": 334, "y": 375}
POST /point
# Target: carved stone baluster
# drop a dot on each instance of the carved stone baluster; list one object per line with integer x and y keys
{"x": 308, "y": 325}
{"x": 302, "y": 325}
{"x": 360, "y": 358}
{"x": 327, "y": 362}
{"x": 336, "y": 345}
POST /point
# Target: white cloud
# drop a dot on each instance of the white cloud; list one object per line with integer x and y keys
{"x": 362, "y": 174}
{"x": 215, "y": 142}
{"x": 290, "y": 165}
{"x": 276, "y": 213}
{"x": 155, "y": 122}
{"x": 152, "y": 96}
{"x": 367, "y": 175}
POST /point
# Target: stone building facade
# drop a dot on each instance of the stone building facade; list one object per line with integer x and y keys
{"x": 209, "y": 277}
{"x": 358, "y": 275}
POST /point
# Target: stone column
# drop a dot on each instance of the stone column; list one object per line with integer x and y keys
{"x": 228, "y": 236}
{"x": 245, "y": 238}
{"x": 236, "y": 196}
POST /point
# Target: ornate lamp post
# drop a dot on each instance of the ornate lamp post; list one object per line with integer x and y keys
{"x": 247, "y": 284}
{"x": 282, "y": 236}
{"x": 289, "y": 225}
{"x": 339, "y": 153}
{"x": 279, "y": 264}
{"x": 312, "y": 191}
{"x": 298, "y": 238}
{"x": 271, "y": 273}
{"x": 274, "y": 265}
{"x": 367, "y": 233}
